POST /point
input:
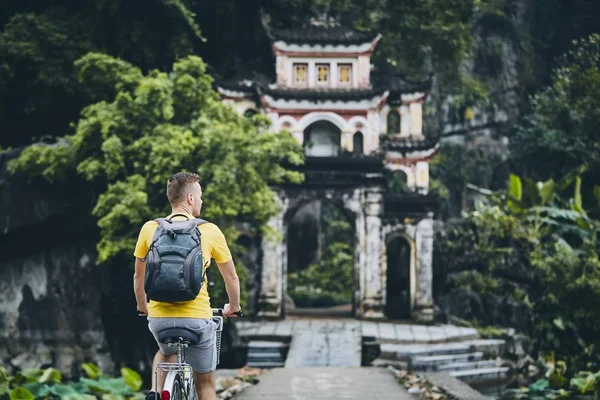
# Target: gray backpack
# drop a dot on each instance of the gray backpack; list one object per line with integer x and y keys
{"x": 174, "y": 271}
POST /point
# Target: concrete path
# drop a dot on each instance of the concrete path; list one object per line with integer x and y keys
{"x": 326, "y": 384}
{"x": 325, "y": 345}
{"x": 385, "y": 332}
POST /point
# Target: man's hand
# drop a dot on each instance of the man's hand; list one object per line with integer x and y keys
{"x": 142, "y": 310}
{"x": 230, "y": 312}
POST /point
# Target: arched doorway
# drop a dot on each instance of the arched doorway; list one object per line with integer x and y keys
{"x": 397, "y": 182}
{"x": 320, "y": 260}
{"x": 398, "y": 293}
{"x": 393, "y": 122}
{"x": 322, "y": 139}
{"x": 357, "y": 144}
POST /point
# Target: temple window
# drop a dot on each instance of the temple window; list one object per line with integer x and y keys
{"x": 345, "y": 74}
{"x": 322, "y": 74}
{"x": 393, "y": 122}
{"x": 357, "y": 144}
{"x": 300, "y": 74}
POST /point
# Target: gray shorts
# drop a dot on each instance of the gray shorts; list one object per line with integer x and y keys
{"x": 202, "y": 357}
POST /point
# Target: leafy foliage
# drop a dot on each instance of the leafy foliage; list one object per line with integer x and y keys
{"x": 455, "y": 168}
{"x": 560, "y": 132}
{"x": 330, "y": 280}
{"x": 154, "y": 125}
{"x": 530, "y": 243}
{"x": 47, "y": 384}
{"x": 39, "y": 42}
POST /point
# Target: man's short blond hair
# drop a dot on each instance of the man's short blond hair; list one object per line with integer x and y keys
{"x": 178, "y": 186}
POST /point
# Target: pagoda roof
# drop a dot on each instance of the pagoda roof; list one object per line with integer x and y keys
{"x": 315, "y": 35}
{"x": 258, "y": 84}
{"x": 320, "y": 94}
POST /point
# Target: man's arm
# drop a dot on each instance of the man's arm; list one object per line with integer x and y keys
{"x": 232, "y": 285}
{"x": 138, "y": 286}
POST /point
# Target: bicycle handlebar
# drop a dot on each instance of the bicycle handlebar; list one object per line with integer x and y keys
{"x": 217, "y": 311}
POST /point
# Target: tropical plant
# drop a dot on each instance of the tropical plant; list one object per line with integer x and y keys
{"x": 535, "y": 246}
{"x": 48, "y": 384}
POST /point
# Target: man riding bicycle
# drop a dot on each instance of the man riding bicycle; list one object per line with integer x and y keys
{"x": 185, "y": 196}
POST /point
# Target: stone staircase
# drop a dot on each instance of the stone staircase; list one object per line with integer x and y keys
{"x": 468, "y": 360}
{"x": 267, "y": 354}
{"x": 458, "y": 351}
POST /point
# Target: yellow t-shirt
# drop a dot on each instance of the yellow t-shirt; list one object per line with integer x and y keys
{"x": 214, "y": 246}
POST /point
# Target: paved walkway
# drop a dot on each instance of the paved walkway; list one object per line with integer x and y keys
{"x": 325, "y": 345}
{"x": 326, "y": 384}
{"x": 385, "y": 332}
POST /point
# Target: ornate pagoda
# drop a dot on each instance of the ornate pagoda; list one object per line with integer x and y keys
{"x": 353, "y": 125}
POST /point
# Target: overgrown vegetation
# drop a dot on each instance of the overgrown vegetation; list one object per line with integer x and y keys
{"x": 536, "y": 242}
{"x": 143, "y": 128}
{"x": 560, "y": 132}
{"x": 330, "y": 281}
{"x": 49, "y": 384}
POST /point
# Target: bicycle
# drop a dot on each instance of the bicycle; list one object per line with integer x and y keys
{"x": 179, "y": 383}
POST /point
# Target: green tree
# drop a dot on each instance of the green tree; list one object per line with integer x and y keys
{"x": 40, "y": 41}
{"x": 155, "y": 124}
{"x": 561, "y": 130}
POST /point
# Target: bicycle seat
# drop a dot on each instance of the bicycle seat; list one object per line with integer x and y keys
{"x": 175, "y": 334}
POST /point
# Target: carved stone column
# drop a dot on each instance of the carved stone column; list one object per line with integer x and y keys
{"x": 372, "y": 304}
{"x": 423, "y": 311}
{"x": 274, "y": 259}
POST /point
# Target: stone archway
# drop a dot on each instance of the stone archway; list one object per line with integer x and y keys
{"x": 322, "y": 139}
{"x": 418, "y": 235}
{"x": 400, "y": 277}
{"x": 320, "y": 239}
{"x": 363, "y": 206}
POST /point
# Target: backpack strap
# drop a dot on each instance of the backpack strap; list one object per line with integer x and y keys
{"x": 175, "y": 215}
{"x": 207, "y": 274}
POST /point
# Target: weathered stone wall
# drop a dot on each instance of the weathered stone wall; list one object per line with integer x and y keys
{"x": 50, "y": 294}
{"x": 57, "y": 307}
{"x": 50, "y": 309}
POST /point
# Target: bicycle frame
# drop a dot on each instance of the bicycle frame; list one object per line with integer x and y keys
{"x": 180, "y": 371}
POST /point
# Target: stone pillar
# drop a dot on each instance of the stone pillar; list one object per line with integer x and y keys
{"x": 423, "y": 311}
{"x": 416, "y": 119}
{"x": 371, "y": 142}
{"x": 422, "y": 176}
{"x": 372, "y": 302}
{"x": 274, "y": 259}
{"x": 404, "y": 121}
{"x": 364, "y": 71}
{"x": 347, "y": 143}
{"x": 282, "y": 76}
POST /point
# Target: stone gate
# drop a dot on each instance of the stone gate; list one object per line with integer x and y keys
{"x": 365, "y": 151}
